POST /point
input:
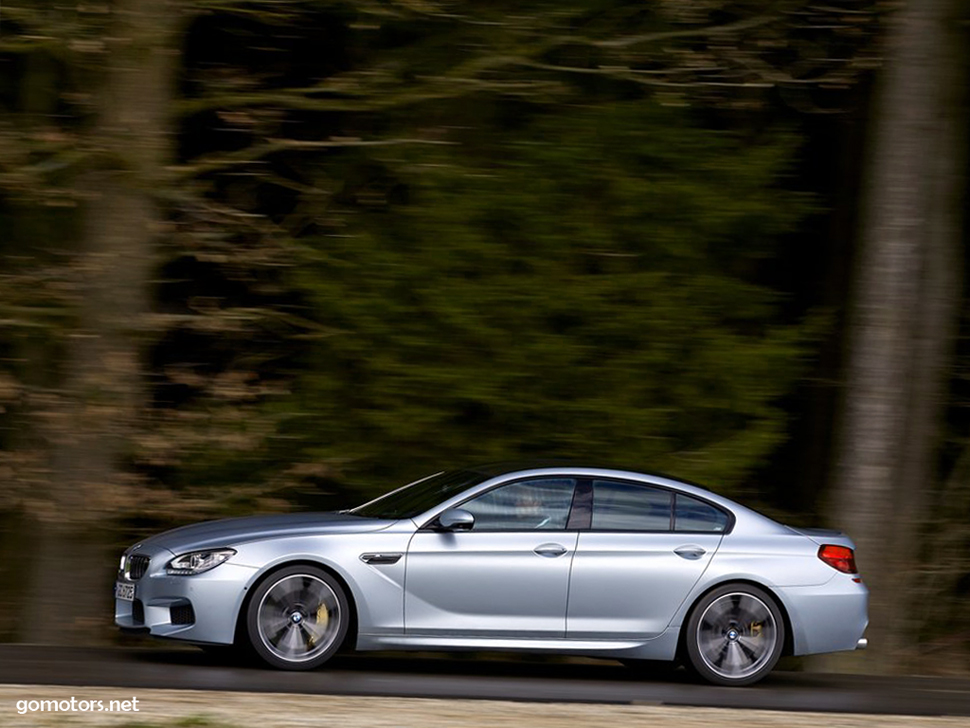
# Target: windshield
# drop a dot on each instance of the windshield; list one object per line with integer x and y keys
{"x": 420, "y": 496}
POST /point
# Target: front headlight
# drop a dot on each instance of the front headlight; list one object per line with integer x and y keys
{"x": 196, "y": 562}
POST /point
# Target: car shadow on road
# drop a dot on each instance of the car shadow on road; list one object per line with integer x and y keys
{"x": 478, "y": 664}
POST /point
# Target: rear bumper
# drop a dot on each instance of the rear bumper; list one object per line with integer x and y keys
{"x": 831, "y": 617}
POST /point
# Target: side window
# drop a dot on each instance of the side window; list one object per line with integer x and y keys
{"x": 694, "y": 515}
{"x": 619, "y": 506}
{"x": 541, "y": 504}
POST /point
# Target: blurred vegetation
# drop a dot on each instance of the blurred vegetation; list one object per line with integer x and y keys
{"x": 389, "y": 237}
{"x": 584, "y": 288}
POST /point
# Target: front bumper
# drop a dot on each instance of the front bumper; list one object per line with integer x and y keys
{"x": 201, "y": 608}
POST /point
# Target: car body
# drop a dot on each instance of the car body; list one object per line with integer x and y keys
{"x": 557, "y": 559}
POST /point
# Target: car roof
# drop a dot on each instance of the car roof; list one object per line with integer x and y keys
{"x": 564, "y": 465}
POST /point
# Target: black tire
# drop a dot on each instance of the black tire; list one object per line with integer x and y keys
{"x": 297, "y": 618}
{"x": 735, "y": 635}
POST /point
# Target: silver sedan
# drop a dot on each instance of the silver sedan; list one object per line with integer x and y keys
{"x": 580, "y": 561}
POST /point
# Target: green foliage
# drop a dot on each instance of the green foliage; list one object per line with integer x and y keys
{"x": 585, "y": 287}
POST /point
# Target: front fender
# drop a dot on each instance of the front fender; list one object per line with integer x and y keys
{"x": 377, "y": 590}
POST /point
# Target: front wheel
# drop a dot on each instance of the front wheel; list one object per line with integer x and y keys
{"x": 735, "y": 635}
{"x": 297, "y": 618}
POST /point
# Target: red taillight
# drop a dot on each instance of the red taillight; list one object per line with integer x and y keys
{"x": 840, "y": 558}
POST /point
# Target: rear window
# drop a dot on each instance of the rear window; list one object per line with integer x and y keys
{"x": 695, "y": 515}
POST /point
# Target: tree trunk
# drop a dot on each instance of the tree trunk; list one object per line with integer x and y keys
{"x": 905, "y": 309}
{"x": 92, "y": 418}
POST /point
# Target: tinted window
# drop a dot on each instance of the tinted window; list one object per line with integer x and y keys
{"x": 527, "y": 505}
{"x": 627, "y": 507}
{"x": 420, "y": 496}
{"x": 695, "y": 515}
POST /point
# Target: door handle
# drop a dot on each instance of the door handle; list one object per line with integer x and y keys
{"x": 691, "y": 553}
{"x": 550, "y": 550}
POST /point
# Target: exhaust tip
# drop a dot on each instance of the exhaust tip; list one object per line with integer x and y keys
{"x": 862, "y": 644}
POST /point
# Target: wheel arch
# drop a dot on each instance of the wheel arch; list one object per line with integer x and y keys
{"x": 349, "y": 639}
{"x": 788, "y": 645}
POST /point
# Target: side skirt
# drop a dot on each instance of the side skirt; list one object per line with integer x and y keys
{"x": 662, "y": 647}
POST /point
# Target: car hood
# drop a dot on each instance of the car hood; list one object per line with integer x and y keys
{"x": 230, "y": 531}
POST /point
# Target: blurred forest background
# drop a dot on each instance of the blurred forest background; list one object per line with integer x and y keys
{"x": 265, "y": 255}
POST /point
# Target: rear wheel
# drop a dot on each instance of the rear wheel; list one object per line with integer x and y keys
{"x": 735, "y": 635}
{"x": 297, "y": 618}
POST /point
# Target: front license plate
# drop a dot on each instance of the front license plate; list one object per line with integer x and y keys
{"x": 125, "y": 592}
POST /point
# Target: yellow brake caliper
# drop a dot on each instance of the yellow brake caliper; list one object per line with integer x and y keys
{"x": 323, "y": 618}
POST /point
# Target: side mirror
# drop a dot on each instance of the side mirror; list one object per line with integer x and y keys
{"x": 456, "y": 519}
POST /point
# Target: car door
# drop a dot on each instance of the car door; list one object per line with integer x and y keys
{"x": 506, "y": 577}
{"x": 645, "y": 549}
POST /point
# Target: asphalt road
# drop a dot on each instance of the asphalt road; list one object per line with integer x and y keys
{"x": 490, "y": 678}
